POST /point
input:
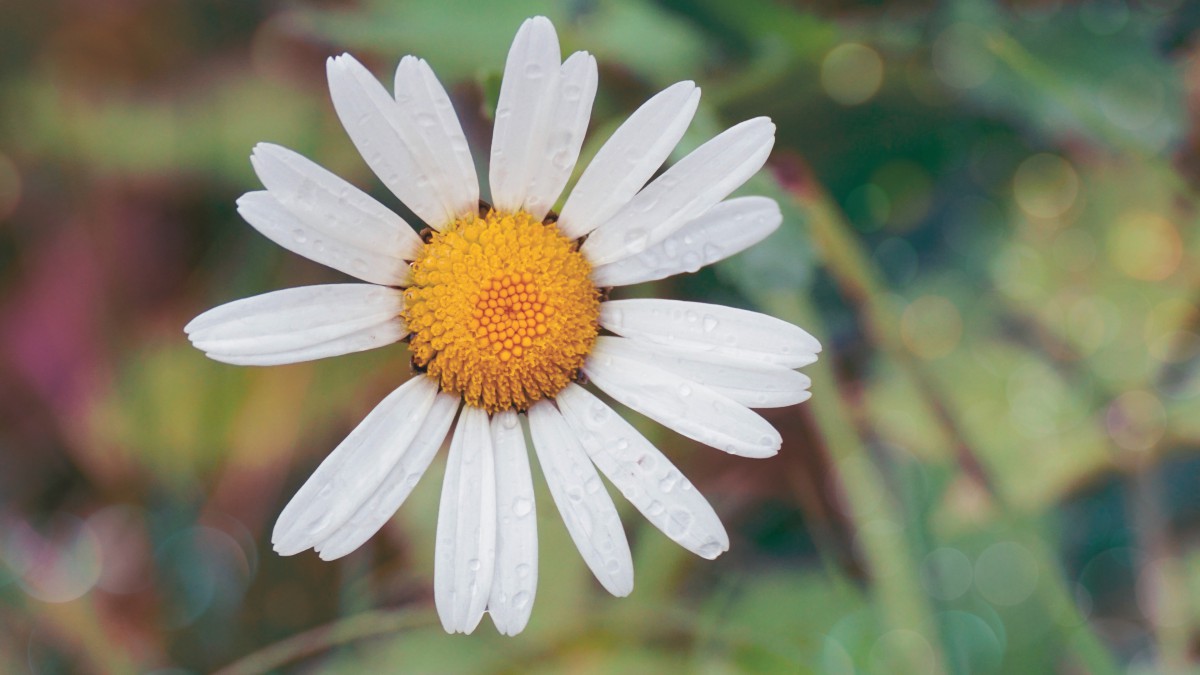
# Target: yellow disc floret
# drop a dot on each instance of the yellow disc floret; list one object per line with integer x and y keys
{"x": 502, "y": 310}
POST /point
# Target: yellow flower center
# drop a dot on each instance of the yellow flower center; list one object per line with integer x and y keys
{"x": 502, "y": 310}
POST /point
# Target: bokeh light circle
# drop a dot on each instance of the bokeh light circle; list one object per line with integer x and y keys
{"x": 1006, "y": 573}
{"x": 1045, "y": 186}
{"x": 851, "y": 73}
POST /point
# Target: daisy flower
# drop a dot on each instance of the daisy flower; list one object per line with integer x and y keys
{"x": 504, "y": 307}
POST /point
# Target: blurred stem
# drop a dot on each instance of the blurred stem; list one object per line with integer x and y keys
{"x": 1162, "y": 584}
{"x": 846, "y": 262}
{"x": 878, "y": 520}
{"x": 321, "y": 639}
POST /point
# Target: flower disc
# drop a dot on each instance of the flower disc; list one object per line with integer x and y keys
{"x": 502, "y": 310}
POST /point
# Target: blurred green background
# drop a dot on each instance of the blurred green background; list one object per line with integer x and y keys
{"x": 990, "y": 213}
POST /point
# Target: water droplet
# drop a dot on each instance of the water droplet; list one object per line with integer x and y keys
{"x": 572, "y": 92}
{"x": 521, "y": 600}
{"x": 574, "y": 494}
{"x": 692, "y": 261}
{"x": 592, "y": 486}
{"x": 473, "y": 564}
{"x": 712, "y": 253}
{"x": 684, "y": 391}
{"x": 654, "y": 508}
{"x": 667, "y": 484}
{"x": 710, "y": 550}
{"x": 710, "y": 323}
{"x": 533, "y": 71}
{"x": 599, "y": 412}
{"x": 521, "y": 507}
{"x": 678, "y": 523}
{"x": 613, "y": 566}
{"x": 523, "y": 571}
{"x": 300, "y": 236}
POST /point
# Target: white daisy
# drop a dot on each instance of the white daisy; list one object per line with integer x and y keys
{"x": 503, "y": 307}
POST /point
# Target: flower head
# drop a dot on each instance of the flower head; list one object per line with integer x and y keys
{"x": 505, "y": 312}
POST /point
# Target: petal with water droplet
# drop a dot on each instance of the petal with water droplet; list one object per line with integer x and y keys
{"x": 706, "y": 327}
{"x": 326, "y": 235}
{"x": 730, "y": 227}
{"x": 300, "y": 324}
{"x": 699, "y": 413}
{"x": 753, "y": 383}
{"x": 644, "y": 475}
{"x": 629, "y": 158}
{"x": 590, "y": 517}
{"x": 684, "y": 192}
{"x": 398, "y": 484}
{"x": 524, "y": 112}
{"x": 464, "y": 556}
{"x": 515, "y": 580}
{"x": 355, "y": 468}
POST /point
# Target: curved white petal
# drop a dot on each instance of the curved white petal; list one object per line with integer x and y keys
{"x": 724, "y": 330}
{"x": 629, "y": 158}
{"x": 330, "y": 208}
{"x": 685, "y": 406}
{"x": 755, "y": 384}
{"x": 329, "y": 247}
{"x": 643, "y": 474}
{"x": 424, "y": 102}
{"x": 395, "y": 145}
{"x": 684, "y": 192}
{"x": 464, "y": 557}
{"x": 355, "y": 468}
{"x": 586, "y": 508}
{"x": 515, "y": 582}
{"x": 572, "y": 107}
{"x": 399, "y": 483}
{"x": 727, "y": 228}
{"x": 300, "y": 324}
{"x": 523, "y": 112}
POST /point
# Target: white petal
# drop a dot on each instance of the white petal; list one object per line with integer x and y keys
{"x": 395, "y": 145}
{"x": 329, "y": 208}
{"x": 584, "y": 504}
{"x": 398, "y": 484}
{"x": 523, "y": 112}
{"x": 355, "y": 468}
{"x": 515, "y": 581}
{"x": 643, "y": 474}
{"x": 330, "y": 248}
{"x": 724, "y": 330}
{"x": 572, "y": 107}
{"x": 687, "y": 407}
{"x": 755, "y": 384}
{"x": 424, "y": 101}
{"x": 300, "y": 324}
{"x": 464, "y": 556}
{"x": 629, "y": 158}
{"x": 727, "y": 228}
{"x": 684, "y": 192}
